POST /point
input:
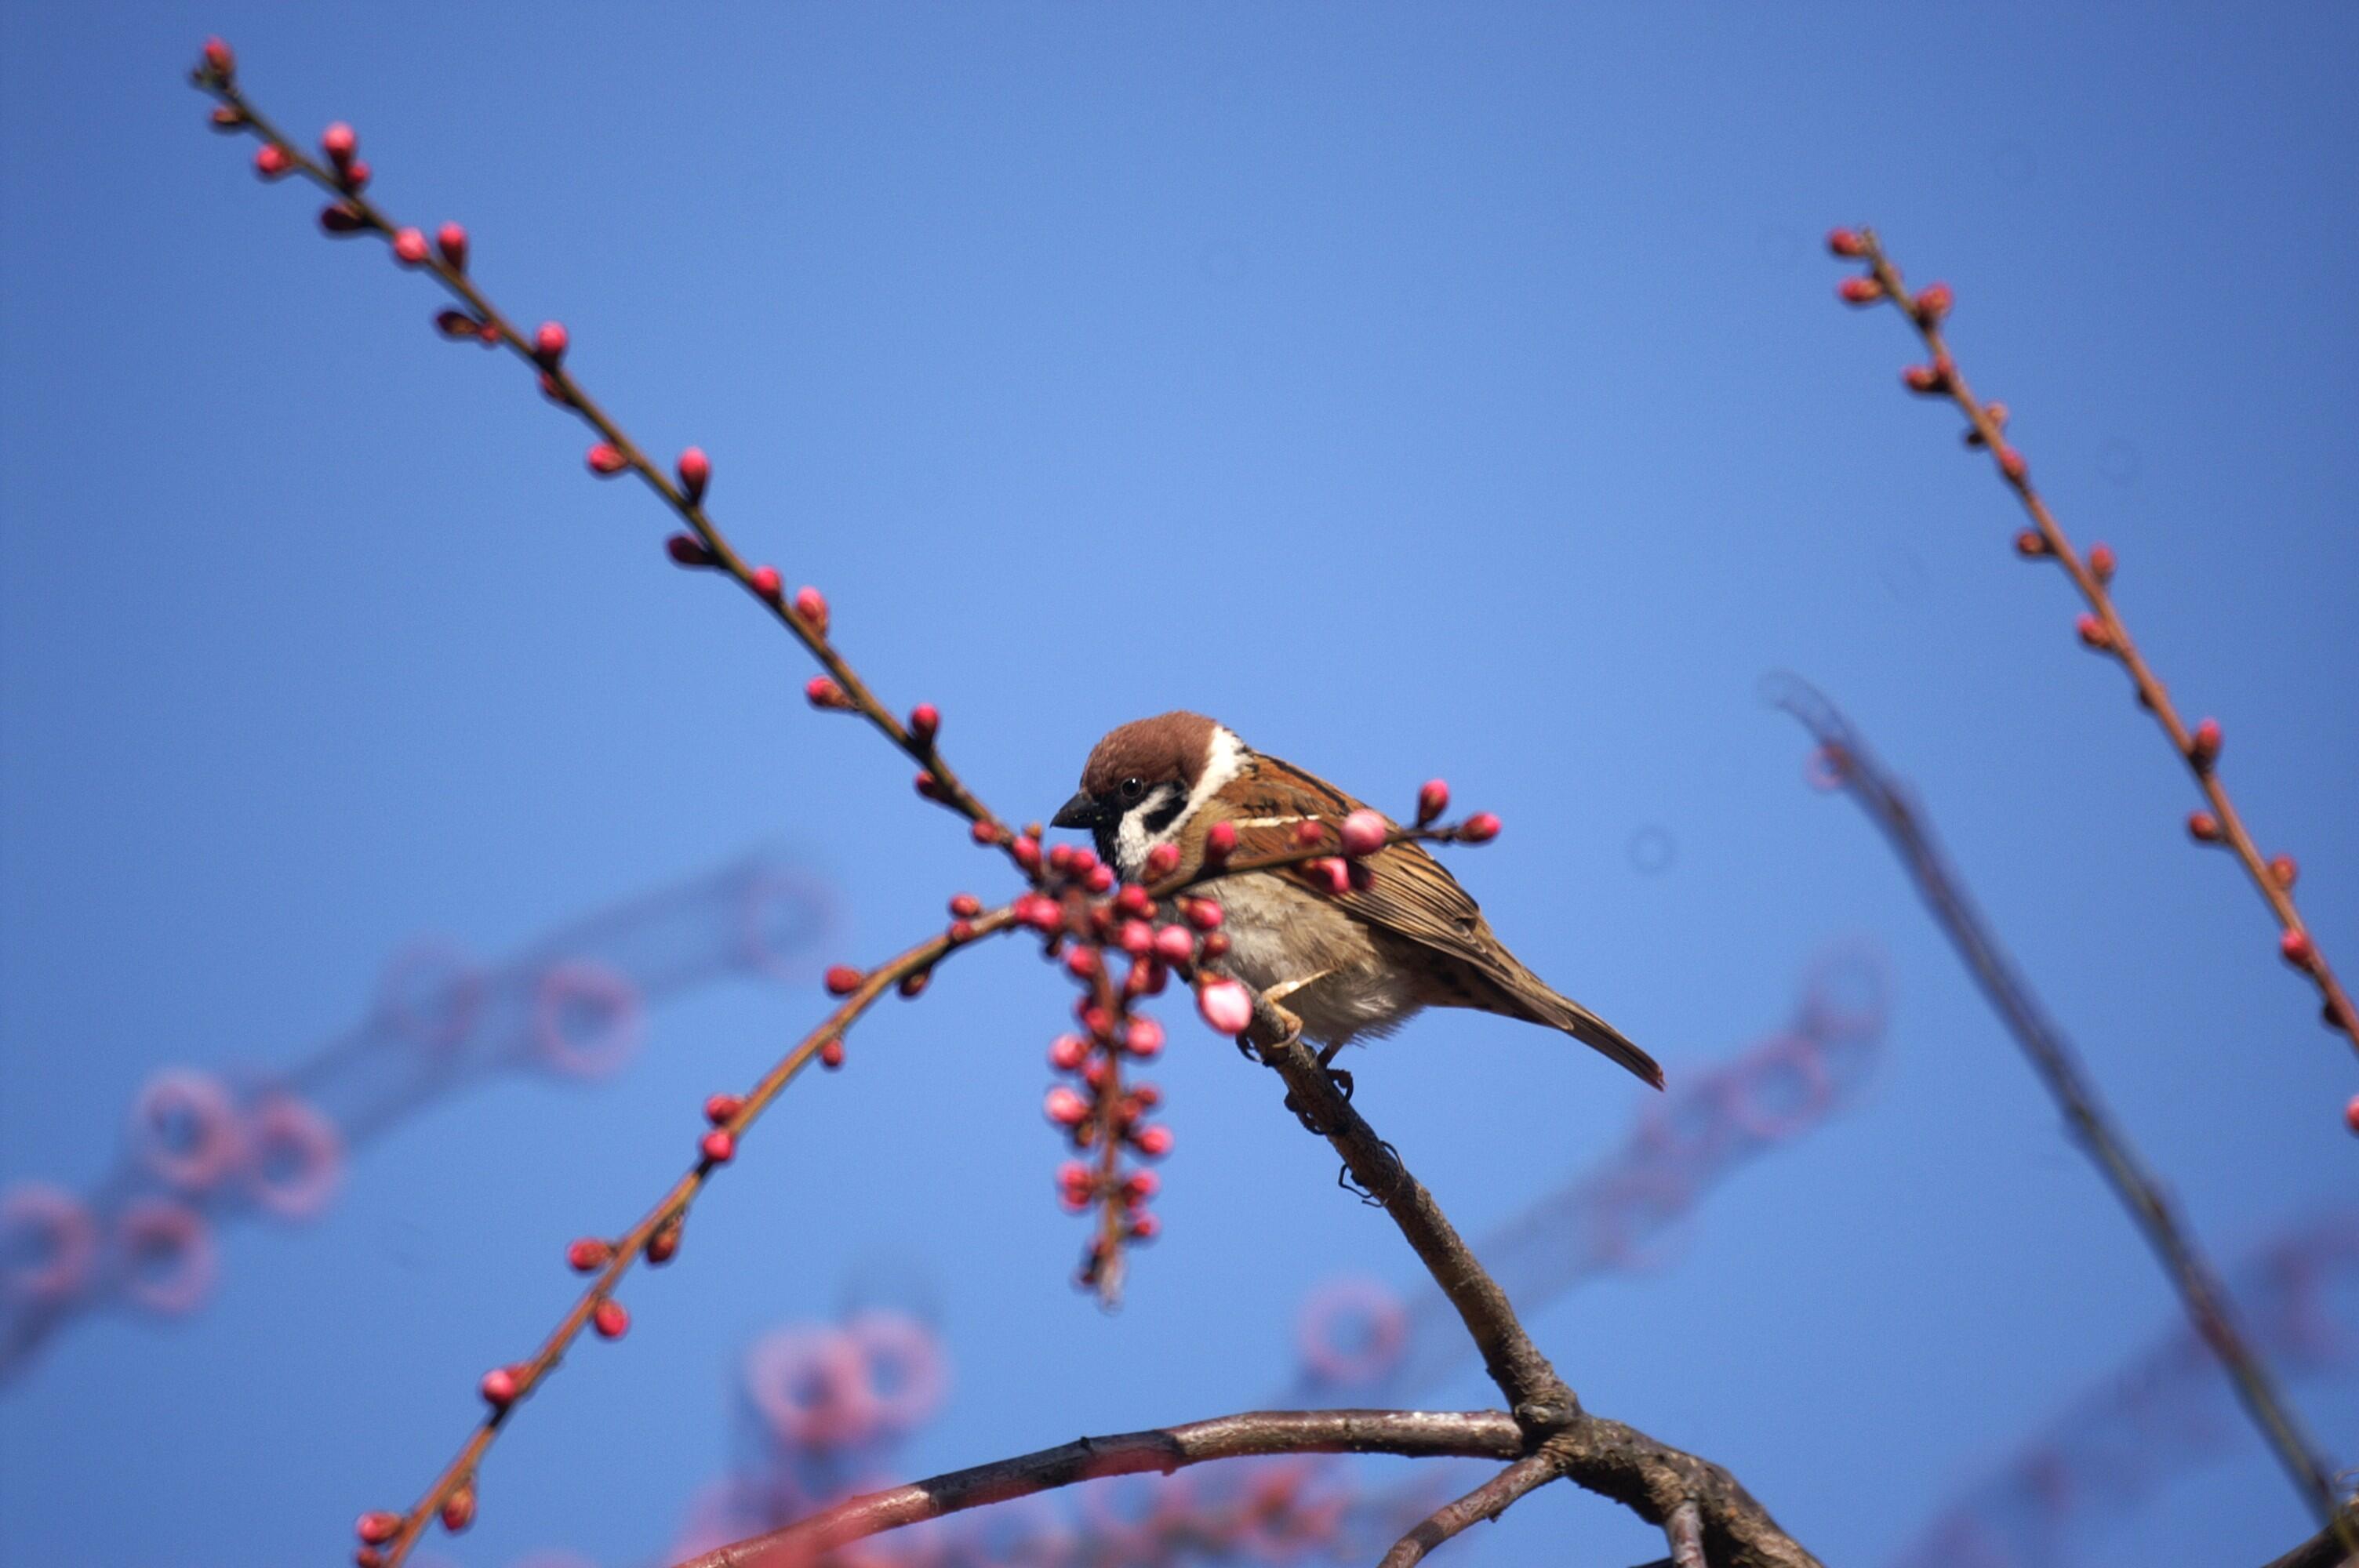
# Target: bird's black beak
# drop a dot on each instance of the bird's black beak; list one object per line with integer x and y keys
{"x": 1081, "y": 811}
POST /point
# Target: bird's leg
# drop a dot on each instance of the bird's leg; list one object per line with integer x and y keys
{"x": 1274, "y": 998}
{"x": 1336, "y": 1076}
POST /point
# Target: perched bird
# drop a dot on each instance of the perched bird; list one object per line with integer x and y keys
{"x": 1347, "y": 961}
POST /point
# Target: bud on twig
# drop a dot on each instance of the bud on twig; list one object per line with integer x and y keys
{"x": 1220, "y": 842}
{"x": 719, "y": 1108}
{"x": 2297, "y": 950}
{"x": 1860, "y": 290}
{"x": 2101, "y": 562}
{"x": 695, "y": 472}
{"x": 459, "y": 1509}
{"x": 1433, "y": 799}
{"x": 830, "y": 1052}
{"x": 688, "y": 550}
{"x": 1364, "y": 832}
{"x": 1933, "y": 302}
{"x": 219, "y": 59}
{"x": 549, "y": 342}
{"x": 606, "y": 463}
{"x": 498, "y": 1387}
{"x": 718, "y": 1146}
{"x": 766, "y": 581}
{"x": 409, "y": 247}
{"x": 2204, "y": 746}
{"x": 1225, "y": 1005}
{"x": 271, "y": 162}
{"x": 339, "y": 141}
{"x": 824, "y": 693}
{"x": 2203, "y": 826}
{"x": 377, "y": 1528}
{"x": 1845, "y": 242}
{"x": 2282, "y": 871}
{"x": 1162, "y": 861}
{"x": 925, "y": 723}
{"x": 1480, "y": 829}
{"x": 589, "y": 1255}
{"x": 609, "y": 1319}
{"x": 452, "y": 240}
{"x": 2092, "y": 632}
{"x": 811, "y": 605}
{"x": 2030, "y": 545}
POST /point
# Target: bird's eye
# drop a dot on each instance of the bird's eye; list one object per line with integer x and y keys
{"x": 1133, "y": 788}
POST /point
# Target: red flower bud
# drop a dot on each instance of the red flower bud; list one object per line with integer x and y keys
{"x": 1068, "y": 1051}
{"x": 1156, "y": 1142}
{"x": 2204, "y": 746}
{"x": 925, "y": 723}
{"x": 271, "y": 162}
{"x": 1214, "y": 945}
{"x": 2093, "y": 632}
{"x": 2030, "y": 545}
{"x": 2101, "y": 562}
{"x": 1144, "y": 1226}
{"x": 1221, "y": 842}
{"x": 830, "y": 1052}
{"x": 824, "y": 693}
{"x": 2297, "y": 950}
{"x": 219, "y": 59}
{"x": 1081, "y": 960}
{"x": 1133, "y": 900}
{"x": 1144, "y": 1037}
{"x": 1933, "y": 302}
{"x": 1164, "y": 860}
{"x": 1927, "y": 380}
{"x": 719, "y": 1108}
{"x": 1174, "y": 944}
{"x": 377, "y": 1528}
{"x": 340, "y": 219}
{"x": 1480, "y": 829}
{"x": 228, "y": 118}
{"x": 811, "y": 605}
{"x": 1364, "y": 832}
{"x": 452, "y": 240}
{"x": 664, "y": 1245}
{"x": 842, "y": 979}
{"x": 2283, "y": 870}
{"x": 1225, "y": 1005}
{"x": 1845, "y": 242}
{"x": 1202, "y": 913}
{"x": 339, "y": 141}
{"x": 1100, "y": 880}
{"x": 1141, "y": 1185}
{"x": 1308, "y": 835}
{"x": 1136, "y": 938}
{"x": 2203, "y": 826}
{"x": 606, "y": 463}
{"x": 1433, "y": 799}
{"x": 718, "y": 1146}
{"x": 459, "y": 1509}
{"x": 2011, "y": 463}
{"x": 688, "y": 550}
{"x": 926, "y": 784}
{"x": 764, "y": 582}
{"x": 353, "y": 176}
{"x": 549, "y": 342}
{"x": 1026, "y": 851}
{"x": 409, "y": 247}
{"x": 2350, "y": 1114}
{"x": 609, "y": 1319}
{"x": 965, "y": 906}
{"x": 695, "y": 472}
{"x": 1065, "y": 1107}
{"x": 1061, "y": 858}
{"x": 1859, "y": 290}
{"x": 499, "y": 1388}
{"x": 1330, "y": 873}
{"x": 589, "y": 1254}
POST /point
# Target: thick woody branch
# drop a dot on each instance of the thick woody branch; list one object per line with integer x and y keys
{"x": 1480, "y": 1435}
{"x": 1848, "y": 761}
{"x": 1651, "y": 1478}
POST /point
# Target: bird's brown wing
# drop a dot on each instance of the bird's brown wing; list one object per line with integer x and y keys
{"x": 1408, "y": 892}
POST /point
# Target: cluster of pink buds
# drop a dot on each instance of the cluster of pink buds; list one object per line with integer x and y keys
{"x": 1118, "y": 945}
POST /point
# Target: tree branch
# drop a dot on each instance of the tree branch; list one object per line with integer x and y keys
{"x": 1487, "y": 1501}
{"x": 2327, "y": 1548}
{"x": 1480, "y": 1434}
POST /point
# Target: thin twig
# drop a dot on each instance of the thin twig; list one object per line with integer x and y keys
{"x": 1480, "y": 1434}
{"x": 1487, "y": 1501}
{"x": 2103, "y": 628}
{"x": 2331, "y": 1547}
{"x": 1848, "y": 760}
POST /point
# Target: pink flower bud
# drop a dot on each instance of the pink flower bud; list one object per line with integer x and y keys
{"x": 589, "y": 1255}
{"x": 459, "y": 1509}
{"x": 1933, "y": 302}
{"x": 1100, "y": 880}
{"x": 1225, "y": 1005}
{"x": 1144, "y": 1038}
{"x": 271, "y": 162}
{"x": 1214, "y": 945}
{"x": 664, "y": 1245}
{"x": 1164, "y": 860}
{"x": 452, "y": 240}
{"x": 1136, "y": 938}
{"x": 339, "y": 141}
{"x": 1134, "y": 901}
{"x": 2204, "y": 746}
{"x": 1432, "y": 800}
{"x": 498, "y": 1387}
{"x": 1065, "y": 1107}
{"x": 549, "y": 342}
{"x": 719, "y": 1108}
{"x": 1845, "y": 242}
{"x": 695, "y": 472}
{"x": 688, "y": 550}
{"x": 2030, "y": 545}
{"x": 2350, "y": 1114}
{"x": 1926, "y": 380}
{"x": 609, "y": 1319}
{"x": 1202, "y": 913}
{"x": 2101, "y": 562}
{"x": 965, "y": 906}
{"x": 1330, "y": 874}
{"x": 228, "y": 118}
{"x": 219, "y": 59}
{"x": 811, "y": 605}
{"x": 1860, "y": 290}
{"x": 340, "y": 219}
{"x": 1081, "y": 960}
{"x": 1308, "y": 835}
{"x": 830, "y": 1052}
{"x": 606, "y": 463}
{"x": 1480, "y": 829}
{"x": 842, "y": 979}
{"x": 1140, "y": 1186}
{"x": 2011, "y": 463}
{"x": 2092, "y": 632}
{"x": 1068, "y": 1051}
{"x": 719, "y": 1146}
{"x": 2203, "y": 826}
{"x": 2283, "y": 870}
{"x": 925, "y": 723}
{"x": 409, "y": 247}
{"x": 377, "y": 1528}
{"x": 1026, "y": 851}
{"x": 1144, "y": 1226}
{"x": 2297, "y": 950}
{"x": 764, "y": 582}
{"x": 930, "y": 787}
{"x": 1174, "y": 944}
{"x": 1154, "y": 1142}
{"x": 353, "y": 175}
{"x": 824, "y": 693}
{"x": 1364, "y": 832}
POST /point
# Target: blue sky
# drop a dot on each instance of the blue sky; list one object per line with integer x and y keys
{"x": 1421, "y": 391}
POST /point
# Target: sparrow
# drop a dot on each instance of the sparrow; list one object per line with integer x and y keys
{"x": 1360, "y": 962}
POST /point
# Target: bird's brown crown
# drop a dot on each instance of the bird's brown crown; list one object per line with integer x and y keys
{"x": 1167, "y": 747}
